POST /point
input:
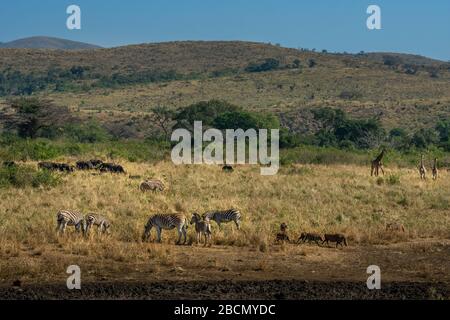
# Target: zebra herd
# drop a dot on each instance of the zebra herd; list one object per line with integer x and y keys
{"x": 158, "y": 221}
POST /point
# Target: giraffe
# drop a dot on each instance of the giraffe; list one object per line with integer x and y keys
{"x": 377, "y": 164}
{"x": 434, "y": 169}
{"x": 422, "y": 170}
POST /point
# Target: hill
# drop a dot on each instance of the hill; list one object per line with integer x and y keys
{"x": 399, "y": 89}
{"x": 47, "y": 43}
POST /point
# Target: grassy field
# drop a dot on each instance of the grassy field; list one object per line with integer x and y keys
{"x": 309, "y": 198}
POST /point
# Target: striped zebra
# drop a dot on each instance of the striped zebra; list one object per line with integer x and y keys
{"x": 152, "y": 185}
{"x": 101, "y": 222}
{"x": 66, "y": 218}
{"x": 224, "y": 217}
{"x": 166, "y": 222}
{"x": 201, "y": 227}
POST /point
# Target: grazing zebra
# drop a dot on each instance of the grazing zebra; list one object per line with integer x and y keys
{"x": 201, "y": 227}
{"x": 66, "y": 218}
{"x": 166, "y": 222}
{"x": 152, "y": 185}
{"x": 224, "y": 217}
{"x": 101, "y": 222}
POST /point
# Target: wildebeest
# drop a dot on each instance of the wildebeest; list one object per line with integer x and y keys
{"x": 84, "y": 165}
{"x": 111, "y": 167}
{"x": 96, "y": 163}
{"x": 52, "y": 166}
{"x": 338, "y": 238}
{"x": 227, "y": 168}
{"x": 310, "y": 237}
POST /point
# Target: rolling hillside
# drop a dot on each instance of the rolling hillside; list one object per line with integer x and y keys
{"x": 401, "y": 90}
{"x": 47, "y": 43}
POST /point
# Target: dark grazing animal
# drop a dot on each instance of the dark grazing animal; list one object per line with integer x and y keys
{"x": 64, "y": 167}
{"x": 47, "y": 166}
{"x": 52, "y": 166}
{"x": 84, "y": 165}
{"x": 338, "y": 238}
{"x": 111, "y": 167}
{"x": 96, "y": 163}
{"x": 310, "y": 237}
{"x": 201, "y": 227}
{"x": 224, "y": 216}
{"x": 166, "y": 222}
{"x": 227, "y": 168}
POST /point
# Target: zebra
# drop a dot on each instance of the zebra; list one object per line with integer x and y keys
{"x": 101, "y": 222}
{"x": 152, "y": 185}
{"x": 224, "y": 217}
{"x": 66, "y": 218}
{"x": 166, "y": 222}
{"x": 201, "y": 226}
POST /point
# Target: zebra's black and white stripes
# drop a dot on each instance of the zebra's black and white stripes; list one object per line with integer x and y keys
{"x": 202, "y": 226}
{"x": 166, "y": 222}
{"x": 224, "y": 216}
{"x": 101, "y": 222}
{"x": 66, "y": 218}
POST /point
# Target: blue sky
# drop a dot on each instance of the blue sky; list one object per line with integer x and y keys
{"x": 421, "y": 27}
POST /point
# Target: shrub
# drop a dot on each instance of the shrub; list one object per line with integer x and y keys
{"x": 26, "y": 176}
{"x": 267, "y": 65}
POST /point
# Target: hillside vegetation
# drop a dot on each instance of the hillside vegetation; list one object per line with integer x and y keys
{"x": 400, "y": 90}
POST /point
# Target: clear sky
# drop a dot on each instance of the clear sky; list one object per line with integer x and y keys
{"x": 408, "y": 26}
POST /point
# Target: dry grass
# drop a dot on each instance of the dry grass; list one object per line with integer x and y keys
{"x": 321, "y": 199}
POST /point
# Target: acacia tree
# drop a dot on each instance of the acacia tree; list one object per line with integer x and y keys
{"x": 163, "y": 118}
{"x": 27, "y": 116}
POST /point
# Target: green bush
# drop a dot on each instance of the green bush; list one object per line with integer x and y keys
{"x": 21, "y": 176}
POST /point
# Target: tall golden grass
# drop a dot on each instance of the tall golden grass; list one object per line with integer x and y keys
{"x": 312, "y": 198}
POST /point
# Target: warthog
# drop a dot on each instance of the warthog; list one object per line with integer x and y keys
{"x": 338, "y": 238}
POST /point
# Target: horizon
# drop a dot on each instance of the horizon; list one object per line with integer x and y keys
{"x": 323, "y": 25}
{"x": 249, "y": 41}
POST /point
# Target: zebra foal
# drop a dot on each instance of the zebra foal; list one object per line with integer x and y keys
{"x": 99, "y": 221}
{"x": 201, "y": 227}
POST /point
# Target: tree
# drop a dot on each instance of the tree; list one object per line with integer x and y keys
{"x": 163, "y": 117}
{"x": 424, "y": 137}
{"x": 28, "y": 116}
{"x": 311, "y": 63}
{"x": 205, "y": 111}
